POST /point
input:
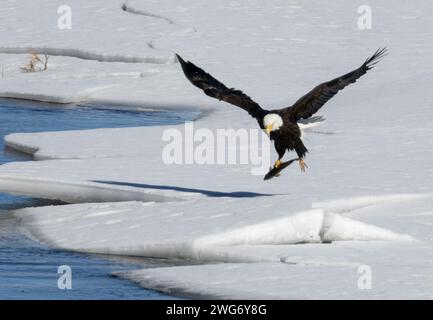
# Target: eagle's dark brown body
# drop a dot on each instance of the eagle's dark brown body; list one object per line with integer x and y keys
{"x": 288, "y": 138}
{"x": 288, "y": 135}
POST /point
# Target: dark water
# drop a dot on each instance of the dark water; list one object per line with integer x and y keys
{"x": 28, "y": 270}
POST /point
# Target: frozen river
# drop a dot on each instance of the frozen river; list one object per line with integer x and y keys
{"x": 28, "y": 270}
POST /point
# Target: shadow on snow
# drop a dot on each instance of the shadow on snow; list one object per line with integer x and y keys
{"x": 209, "y": 193}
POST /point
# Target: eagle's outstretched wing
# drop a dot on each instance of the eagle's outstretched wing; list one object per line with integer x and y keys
{"x": 215, "y": 89}
{"x": 310, "y": 103}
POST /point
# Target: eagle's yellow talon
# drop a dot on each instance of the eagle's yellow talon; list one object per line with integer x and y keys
{"x": 302, "y": 164}
{"x": 277, "y": 163}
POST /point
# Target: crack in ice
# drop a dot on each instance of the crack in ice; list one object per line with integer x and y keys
{"x": 128, "y": 8}
{"x": 88, "y": 55}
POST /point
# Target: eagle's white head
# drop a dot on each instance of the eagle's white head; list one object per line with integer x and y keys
{"x": 272, "y": 122}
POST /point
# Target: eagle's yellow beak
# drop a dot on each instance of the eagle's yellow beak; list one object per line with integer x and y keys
{"x": 268, "y": 129}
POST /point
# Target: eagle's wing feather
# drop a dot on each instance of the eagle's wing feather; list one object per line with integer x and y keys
{"x": 215, "y": 89}
{"x": 310, "y": 103}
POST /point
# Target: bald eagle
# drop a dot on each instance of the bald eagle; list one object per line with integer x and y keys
{"x": 281, "y": 125}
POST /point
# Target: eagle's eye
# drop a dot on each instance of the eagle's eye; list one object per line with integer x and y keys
{"x": 272, "y": 122}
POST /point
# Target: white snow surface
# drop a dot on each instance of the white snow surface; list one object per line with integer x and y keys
{"x": 365, "y": 200}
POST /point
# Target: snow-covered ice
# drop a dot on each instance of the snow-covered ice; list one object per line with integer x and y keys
{"x": 366, "y": 199}
{"x": 189, "y": 229}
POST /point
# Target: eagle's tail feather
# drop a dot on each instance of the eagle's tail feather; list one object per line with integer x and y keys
{"x": 310, "y": 122}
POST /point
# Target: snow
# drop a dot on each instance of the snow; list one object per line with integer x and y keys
{"x": 367, "y": 190}
{"x": 191, "y": 228}
{"x": 282, "y": 281}
{"x": 400, "y": 270}
{"x": 176, "y": 230}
